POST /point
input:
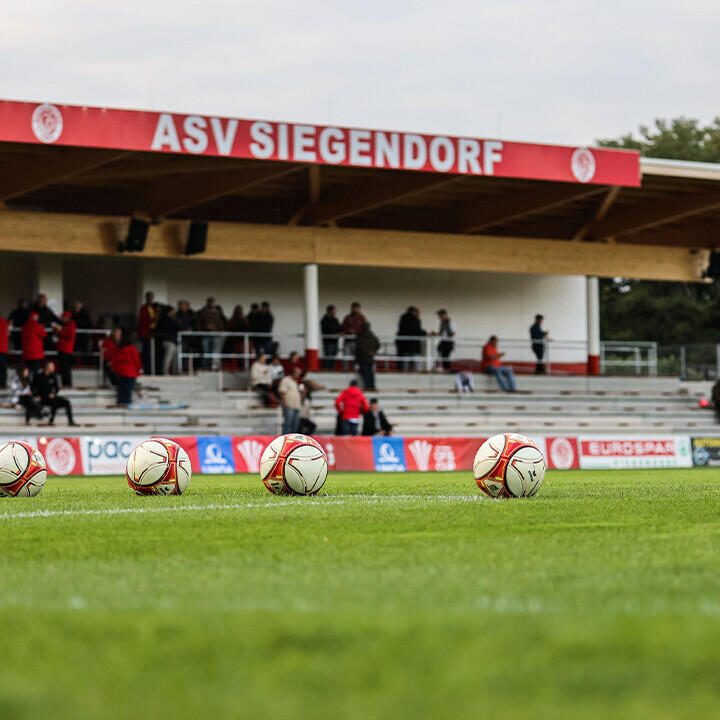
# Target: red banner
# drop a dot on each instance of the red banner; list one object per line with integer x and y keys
{"x": 189, "y": 444}
{"x": 442, "y": 454}
{"x": 62, "y": 455}
{"x": 348, "y": 453}
{"x": 247, "y": 451}
{"x": 314, "y": 144}
{"x": 562, "y": 453}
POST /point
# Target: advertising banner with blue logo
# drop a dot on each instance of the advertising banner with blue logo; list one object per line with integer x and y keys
{"x": 389, "y": 454}
{"x": 215, "y": 455}
{"x": 107, "y": 455}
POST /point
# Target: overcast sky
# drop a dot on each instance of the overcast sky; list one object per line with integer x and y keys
{"x": 542, "y": 70}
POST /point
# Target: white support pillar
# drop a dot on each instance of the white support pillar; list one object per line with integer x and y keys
{"x": 593, "y": 325}
{"x": 312, "y": 316}
{"x": 49, "y": 280}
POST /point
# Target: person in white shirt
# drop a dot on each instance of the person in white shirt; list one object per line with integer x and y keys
{"x": 291, "y": 401}
{"x": 446, "y": 333}
{"x": 260, "y": 378}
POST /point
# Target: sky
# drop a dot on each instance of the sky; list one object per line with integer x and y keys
{"x": 542, "y": 71}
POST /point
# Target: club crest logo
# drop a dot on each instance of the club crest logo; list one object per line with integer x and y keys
{"x": 582, "y": 165}
{"x": 60, "y": 456}
{"x": 47, "y": 123}
{"x": 562, "y": 453}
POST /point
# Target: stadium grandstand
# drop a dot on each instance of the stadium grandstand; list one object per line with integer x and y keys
{"x": 101, "y": 207}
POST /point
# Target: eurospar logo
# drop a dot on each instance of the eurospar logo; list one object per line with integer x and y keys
{"x": 629, "y": 448}
{"x": 47, "y": 123}
{"x": 583, "y": 165}
{"x": 668, "y": 451}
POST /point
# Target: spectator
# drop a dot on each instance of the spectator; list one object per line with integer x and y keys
{"x": 446, "y": 332}
{"x": 464, "y": 381}
{"x": 330, "y": 329}
{"x": 277, "y": 369}
{"x": 109, "y": 349}
{"x": 46, "y": 316}
{"x": 238, "y": 323}
{"x": 351, "y": 325}
{"x": 167, "y": 330}
{"x": 209, "y": 320}
{"x": 33, "y": 350}
{"x": 186, "y": 322}
{"x": 265, "y": 322}
{"x": 294, "y": 361}
{"x": 538, "y": 337}
{"x": 366, "y": 348}
{"x": 18, "y": 317}
{"x": 491, "y": 364}
{"x": 83, "y": 321}
{"x": 260, "y": 380}
{"x": 21, "y": 394}
{"x": 374, "y": 420}
{"x": 45, "y": 385}
{"x": 252, "y": 319}
{"x": 146, "y": 323}
{"x": 4, "y": 350}
{"x": 409, "y": 327}
{"x": 66, "y": 347}
{"x": 351, "y": 403}
{"x": 306, "y": 425}
{"x": 290, "y": 399}
{"x": 127, "y": 366}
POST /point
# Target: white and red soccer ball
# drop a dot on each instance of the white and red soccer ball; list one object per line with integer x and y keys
{"x": 509, "y": 466}
{"x": 294, "y": 464}
{"x": 158, "y": 467}
{"x": 22, "y": 470}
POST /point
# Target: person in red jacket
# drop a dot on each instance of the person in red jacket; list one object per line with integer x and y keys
{"x": 351, "y": 404}
{"x": 4, "y": 341}
{"x": 126, "y": 366}
{"x": 33, "y": 349}
{"x": 109, "y": 348}
{"x": 146, "y": 324}
{"x": 66, "y": 347}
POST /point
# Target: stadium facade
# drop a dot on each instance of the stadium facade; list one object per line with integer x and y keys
{"x": 494, "y": 230}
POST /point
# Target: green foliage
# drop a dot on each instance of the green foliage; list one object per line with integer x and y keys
{"x": 669, "y": 313}
{"x": 677, "y": 139}
{"x": 407, "y": 596}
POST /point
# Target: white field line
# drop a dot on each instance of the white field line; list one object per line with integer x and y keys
{"x": 301, "y": 502}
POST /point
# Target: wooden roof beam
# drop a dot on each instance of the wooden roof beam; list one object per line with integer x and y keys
{"x": 25, "y": 176}
{"x": 489, "y": 211}
{"x": 168, "y": 197}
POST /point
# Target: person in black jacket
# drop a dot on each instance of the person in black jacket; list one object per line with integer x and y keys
{"x": 408, "y": 327}
{"x": 374, "y": 421}
{"x": 366, "y": 347}
{"x": 45, "y": 385}
{"x": 17, "y": 318}
{"x": 83, "y": 321}
{"x": 538, "y": 336}
{"x": 330, "y": 326}
{"x": 264, "y": 323}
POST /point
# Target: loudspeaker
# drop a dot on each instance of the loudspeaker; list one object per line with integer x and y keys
{"x": 136, "y": 236}
{"x": 713, "y": 268}
{"x": 196, "y": 238}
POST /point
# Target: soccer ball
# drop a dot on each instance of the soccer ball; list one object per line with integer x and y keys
{"x": 509, "y": 466}
{"x": 293, "y": 465}
{"x": 158, "y": 467}
{"x": 22, "y": 470}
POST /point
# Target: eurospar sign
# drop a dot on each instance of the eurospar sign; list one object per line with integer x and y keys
{"x": 311, "y": 144}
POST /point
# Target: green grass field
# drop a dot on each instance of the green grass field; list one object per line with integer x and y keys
{"x": 403, "y": 596}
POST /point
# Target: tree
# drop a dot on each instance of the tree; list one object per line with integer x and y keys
{"x": 669, "y": 313}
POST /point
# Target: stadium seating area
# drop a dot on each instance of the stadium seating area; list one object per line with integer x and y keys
{"x": 416, "y": 405}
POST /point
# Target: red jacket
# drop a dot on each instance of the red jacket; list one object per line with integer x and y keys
{"x": 351, "y": 402}
{"x": 66, "y": 337}
{"x": 109, "y": 350}
{"x": 127, "y": 362}
{"x": 490, "y": 356}
{"x": 146, "y": 323}
{"x": 33, "y": 334}
{"x": 4, "y": 332}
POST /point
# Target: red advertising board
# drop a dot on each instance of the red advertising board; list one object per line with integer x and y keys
{"x": 348, "y": 453}
{"x": 561, "y": 453}
{"x": 441, "y": 454}
{"x": 315, "y": 144}
{"x": 63, "y": 456}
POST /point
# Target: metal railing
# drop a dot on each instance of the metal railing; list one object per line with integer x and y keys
{"x": 638, "y": 358}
